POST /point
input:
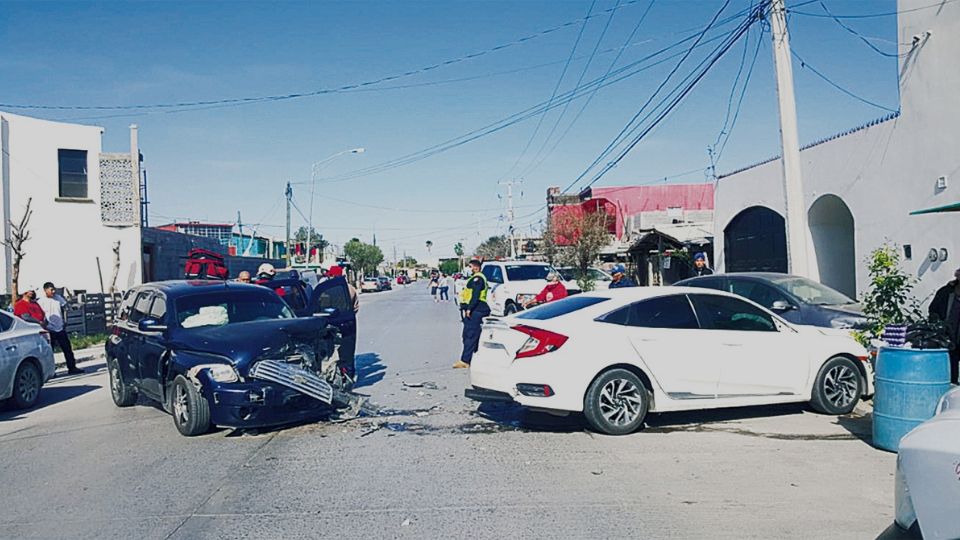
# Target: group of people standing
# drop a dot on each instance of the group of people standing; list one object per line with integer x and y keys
{"x": 440, "y": 286}
{"x": 49, "y": 311}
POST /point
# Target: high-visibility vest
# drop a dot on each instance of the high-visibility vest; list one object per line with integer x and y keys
{"x": 466, "y": 295}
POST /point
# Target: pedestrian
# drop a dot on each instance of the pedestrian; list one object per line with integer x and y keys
{"x": 434, "y": 286}
{"x": 620, "y": 279}
{"x": 946, "y": 307}
{"x": 474, "y": 311}
{"x": 54, "y": 307}
{"x": 445, "y": 282}
{"x": 346, "y": 361}
{"x": 28, "y": 309}
{"x": 243, "y": 277}
{"x": 553, "y": 291}
{"x": 700, "y": 267}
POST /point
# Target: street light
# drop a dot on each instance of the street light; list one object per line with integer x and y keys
{"x": 314, "y": 169}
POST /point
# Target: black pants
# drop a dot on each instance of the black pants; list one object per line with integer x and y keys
{"x": 63, "y": 341}
{"x": 348, "y": 348}
{"x": 471, "y": 335}
{"x": 954, "y": 364}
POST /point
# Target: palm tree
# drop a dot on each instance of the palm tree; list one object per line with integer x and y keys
{"x": 429, "y": 245}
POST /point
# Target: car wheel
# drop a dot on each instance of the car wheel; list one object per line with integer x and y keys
{"x": 510, "y": 309}
{"x": 123, "y": 394}
{"x": 191, "y": 412}
{"x": 26, "y": 386}
{"x": 838, "y": 387}
{"x": 616, "y": 402}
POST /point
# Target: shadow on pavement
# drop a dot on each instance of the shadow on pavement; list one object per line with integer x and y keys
{"x": 893, "y": 532}
{"x": 49, "y": 395}
{"x": 860, "y": 426}
{"x": 369, "y": 369}
{"x": 676, "y": 421}
{"x": 509, "y": 416}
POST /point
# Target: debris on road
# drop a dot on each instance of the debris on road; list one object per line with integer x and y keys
{"x": 429, "y": 385}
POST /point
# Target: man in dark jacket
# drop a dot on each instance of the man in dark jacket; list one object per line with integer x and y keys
{"x": 946, "y": 307}
{"x": 620, "y": 279}
{"x": 474, "y": 310}
{"x": 700, "y": 267}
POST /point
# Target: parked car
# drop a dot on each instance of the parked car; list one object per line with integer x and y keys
{"x": 401, "y": 279}
{"x": 797, "y": 299}
{"x": 26, "y": 361}
{"x": 618, "y": 354}
{"x": 601, "y": 279}
{"x": 225, "y": 354}
{"x": 928, "y": 473}
{"x": 514, "y": 282}
{"x": 370, "y": 284}
{"x": 385, "y": 284}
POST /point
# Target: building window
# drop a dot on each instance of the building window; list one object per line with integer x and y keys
{"x": 73, "y": 173}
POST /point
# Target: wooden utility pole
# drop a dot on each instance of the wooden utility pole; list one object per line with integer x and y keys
{"x": 796, "y": 213}
{"x": 289, "y": 194}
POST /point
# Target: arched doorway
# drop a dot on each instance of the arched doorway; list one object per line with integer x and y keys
{"x": 755, "y": 240}
{"x": 831, "y": 227}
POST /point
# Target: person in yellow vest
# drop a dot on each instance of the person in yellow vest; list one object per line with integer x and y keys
{"x": 474, "y": 307}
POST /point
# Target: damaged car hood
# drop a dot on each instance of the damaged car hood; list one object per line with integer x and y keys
{"x": 243, "y": 343}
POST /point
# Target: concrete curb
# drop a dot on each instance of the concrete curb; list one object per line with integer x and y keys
{"x": 82, "y": 355}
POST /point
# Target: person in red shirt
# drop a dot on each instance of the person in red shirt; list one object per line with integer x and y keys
{"x": 553, "y": 291}
{"x": 28, "y": 309}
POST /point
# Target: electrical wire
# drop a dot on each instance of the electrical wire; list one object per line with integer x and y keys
{"x": 941, "y": 3}
{"x": 806, "y": 65}
{"x": 862, "y": 38}
{"x": 743, "y": 93}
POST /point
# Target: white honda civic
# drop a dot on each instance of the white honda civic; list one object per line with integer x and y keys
{"x": 618, "y": 354}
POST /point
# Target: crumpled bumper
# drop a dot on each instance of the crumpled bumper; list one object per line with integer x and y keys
{"x": 257, "y": 404}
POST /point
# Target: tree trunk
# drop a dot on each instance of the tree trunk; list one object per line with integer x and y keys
{"x": 116, "y": 267}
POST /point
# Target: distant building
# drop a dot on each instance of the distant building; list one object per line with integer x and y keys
{"x": 221, "y": 232}
{"x": 84, "y": 202}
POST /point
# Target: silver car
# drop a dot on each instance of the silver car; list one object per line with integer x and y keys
{"x": 928, "y": 473}
{"x": 26, "y": 361}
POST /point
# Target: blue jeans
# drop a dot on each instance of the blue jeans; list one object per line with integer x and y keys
{"x": 444, "y": 293}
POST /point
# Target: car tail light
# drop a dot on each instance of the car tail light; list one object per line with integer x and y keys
{"x": 539, "y": 341}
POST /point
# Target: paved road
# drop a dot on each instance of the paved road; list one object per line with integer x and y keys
{"x": 77, "y": 467}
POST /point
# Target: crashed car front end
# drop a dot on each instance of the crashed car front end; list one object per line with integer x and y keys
{"x": 262, "y": 385}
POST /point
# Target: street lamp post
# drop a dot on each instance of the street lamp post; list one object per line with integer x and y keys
{"x": 314, "y": 169}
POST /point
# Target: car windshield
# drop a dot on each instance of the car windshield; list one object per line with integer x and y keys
{"x": 568, "y": 274}
{"x": 811, "y": 292}
{"x": 221, "y": 309}
{"x": 560, "y": 307}
{"x": 524, "y": 272}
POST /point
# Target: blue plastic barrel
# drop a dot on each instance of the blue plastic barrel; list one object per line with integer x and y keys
{"x": 909, "y": 383}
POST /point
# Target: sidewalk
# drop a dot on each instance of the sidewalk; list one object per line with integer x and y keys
{"x": 83, "y": 355}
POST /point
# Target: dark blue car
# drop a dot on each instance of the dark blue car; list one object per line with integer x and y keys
{"x": 227, "y": 354}
{"x": 797, "y": 299}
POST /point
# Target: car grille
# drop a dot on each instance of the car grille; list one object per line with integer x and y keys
{"x": 293, "y": 377}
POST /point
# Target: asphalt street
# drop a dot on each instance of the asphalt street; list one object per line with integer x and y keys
{"x": 432, "y": 465}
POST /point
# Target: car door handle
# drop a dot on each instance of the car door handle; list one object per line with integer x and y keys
{"x": 12, "y": 348}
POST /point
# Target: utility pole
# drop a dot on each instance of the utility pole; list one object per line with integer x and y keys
{"x": 796, "y": 222}
{"x": 289, "y": 194}
{"x": 510, "y": 184}
{"x": 240, "y": 229}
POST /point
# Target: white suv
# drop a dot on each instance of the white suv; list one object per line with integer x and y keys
{"x": 514, "y": 282}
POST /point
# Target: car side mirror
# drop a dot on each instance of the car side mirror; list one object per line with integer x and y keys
{"x": 780, "y": 306}
{"x": 151, "y": 325}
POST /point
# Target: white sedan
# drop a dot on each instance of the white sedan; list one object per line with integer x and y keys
{"x": 26, "y": 361}
{"x": 618, "y": 354}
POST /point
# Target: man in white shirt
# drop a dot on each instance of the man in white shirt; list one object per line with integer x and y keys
{"x": 53, "y": 306}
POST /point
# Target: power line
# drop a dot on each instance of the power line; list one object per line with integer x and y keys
{"x": 296, "y": 95}
{"x": 868, "y": 15}
{"x": 858, "y": 35}
{"x": 743, "y": 93}
{"x": 805, "y": 64}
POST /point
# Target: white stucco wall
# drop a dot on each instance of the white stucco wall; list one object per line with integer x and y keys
{"x": 66, "y": 238}
{"x": 886, "y": 171}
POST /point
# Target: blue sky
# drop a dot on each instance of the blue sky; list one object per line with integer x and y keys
{"x": 210, "y": 163}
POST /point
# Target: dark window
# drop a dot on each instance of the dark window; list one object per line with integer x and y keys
{"x": 140, "y": 308}
{"x": 73, "y": 173}
{"x": 727, "y": 313}
{"x": 5, "y": 322}
{"x": 620, "y": 316}
{"x": 494, "y": 273}
{"x": 294, "y": 297}
{"x": 760, "y": 293}
{"x": 663, "y": 312}
{"x": 159, "y": 308}
{"x": 703, "y": 283}
{"x": 526, "y": 272}
{"x": 337, "y": 297}
{"x": 561, "y": 307}
{"x": 127, "y": 304}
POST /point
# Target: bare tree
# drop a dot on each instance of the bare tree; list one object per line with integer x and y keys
{"x": 19, "y": 234}
{"x": 116, "y": 267}
{"x": 575, "y": 239}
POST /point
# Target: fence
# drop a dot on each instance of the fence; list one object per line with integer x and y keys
{"x": 91, "y": 314}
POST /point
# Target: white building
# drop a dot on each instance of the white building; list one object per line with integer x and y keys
{"x": 83, "y": 202}
{"x": 860, "y": 187}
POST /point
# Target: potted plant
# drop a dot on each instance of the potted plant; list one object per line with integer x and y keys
{"x": 888, "y": 302}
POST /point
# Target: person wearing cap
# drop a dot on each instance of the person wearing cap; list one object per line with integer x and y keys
{"x": 265, "y": 274}
{"x": 700, "y": 267}
{"x": 28, "y": 309}
{"x": 348, "y": 344}
{"x": 553, "y": 291}
{"x": 54, "y": 306}
{"x": 474, "y": 308}
{"x": 620, "y": 279}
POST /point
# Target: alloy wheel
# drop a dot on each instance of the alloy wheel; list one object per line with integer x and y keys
{"x": 180, "y": 410}
{"x": 620, "y": 402}
{"x": 840, "y": 386}
{"x": 115, "y": 384}
{"x": 28, "y": 385}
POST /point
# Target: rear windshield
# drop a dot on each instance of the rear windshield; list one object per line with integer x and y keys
{"x": 524, "y": 272}
{"x": 560, "y": 307}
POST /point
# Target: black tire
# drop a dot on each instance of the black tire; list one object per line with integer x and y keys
{"x": 26, "y": 385}
{"x": 616, "y": 402}
{"x": 191, "y": 412}
{"x": 510, "y": 309}
{"x": 838, "y": 387}
{"x": 123, "y": 394}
